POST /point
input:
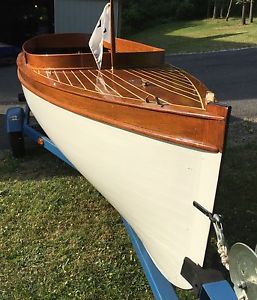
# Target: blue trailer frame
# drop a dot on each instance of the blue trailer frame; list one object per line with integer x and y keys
{"x": 18, "y": 121}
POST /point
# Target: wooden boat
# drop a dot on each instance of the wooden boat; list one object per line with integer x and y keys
{"x": 147, "y": 135}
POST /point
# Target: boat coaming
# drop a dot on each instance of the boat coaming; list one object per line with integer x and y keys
{"x": 151, "y": 183}
{"x": 151, "y": 149}
{"x": 70, "y": 50}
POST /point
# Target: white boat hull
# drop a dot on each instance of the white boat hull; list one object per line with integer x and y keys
{"x": 151, "y": 183}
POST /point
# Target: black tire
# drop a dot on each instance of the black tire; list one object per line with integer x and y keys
{"x": 17, "y": 144}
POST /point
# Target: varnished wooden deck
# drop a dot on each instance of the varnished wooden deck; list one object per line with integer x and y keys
{"x": 166, "y": 85}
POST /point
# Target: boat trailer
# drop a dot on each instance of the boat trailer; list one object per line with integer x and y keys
{"x": 207, "y": 284}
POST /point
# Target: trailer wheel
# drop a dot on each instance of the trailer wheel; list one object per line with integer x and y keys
{"x": 17, "y": 144}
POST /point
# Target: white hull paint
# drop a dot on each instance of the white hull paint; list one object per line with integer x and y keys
{"x": 151, "y": 183}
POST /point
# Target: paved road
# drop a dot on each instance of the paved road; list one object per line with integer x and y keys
{"x": 232, "y": 75}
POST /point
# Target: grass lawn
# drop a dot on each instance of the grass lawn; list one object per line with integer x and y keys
{"x": 200, "y": 35}
{"x": 60, "y": 239}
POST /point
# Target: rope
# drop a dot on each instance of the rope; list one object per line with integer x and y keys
{"x": 221, "y": 244}
{"x": 223, "y": 253}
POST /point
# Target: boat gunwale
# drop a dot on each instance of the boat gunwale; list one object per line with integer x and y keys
{"x": 188, "y": 142}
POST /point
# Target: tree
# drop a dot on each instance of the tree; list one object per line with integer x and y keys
{"x": 214, "y": 15}
{"x": 208, "y": 15}
{"x": 140, "y": 14}
{"x": 229, "y": 9}
{"x": 243, "y": 20}
{"x": 222, "y": 9}
{"x": 218, "y": 8}
{"x": 251, "y": 11}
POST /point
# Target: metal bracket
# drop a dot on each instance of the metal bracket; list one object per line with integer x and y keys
{"x": 197, "y": 276}
{"x": 208, "y": 284}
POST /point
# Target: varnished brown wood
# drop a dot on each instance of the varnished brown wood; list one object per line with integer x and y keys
{"x": 129, "y": 83}
{"x": 72, "y": 52}
{"x": 146, "y": 96}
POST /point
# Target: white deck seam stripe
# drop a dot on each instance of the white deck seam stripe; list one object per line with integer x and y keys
{"x": 149, "y": 94}
{"x": 166, "y": 88}
{"x": 91, "y": 81}
{"x": 67, "y": 78}
{"x": 76, "y": 87}
{"x": 201, "y": 100}
{"x": 78, "y": 79}
{"x": 173, "y": 87}
{"x": 106, "y": 84}
{"x": 128, "y": 98}
{"x": 58, "y": 79}
{"x": 177, "y": 76}
{"x": 174, "y": 81}
{"x": 138, "y": 97}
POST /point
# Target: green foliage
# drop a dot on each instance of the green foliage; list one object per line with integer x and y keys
{"x": 237, "y": 7}
{"x": 185, "y": 10}
{"x": 140, "y": 14}
{"x": 137, "y": 15}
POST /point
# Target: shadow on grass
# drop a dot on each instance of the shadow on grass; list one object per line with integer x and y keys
{"x": 237, "y": 190}
{"x": 219, "y": 36}
{"x": 37, "y": 164}
{"x": 162, "y": 36}
{"x": 182, "y": 44}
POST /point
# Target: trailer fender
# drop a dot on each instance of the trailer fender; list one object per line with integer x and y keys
{"x": 14, "y": 119}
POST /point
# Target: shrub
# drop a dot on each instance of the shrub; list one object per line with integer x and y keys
{"x": 185, "y": 10}
{"x": 140, "y": 14}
